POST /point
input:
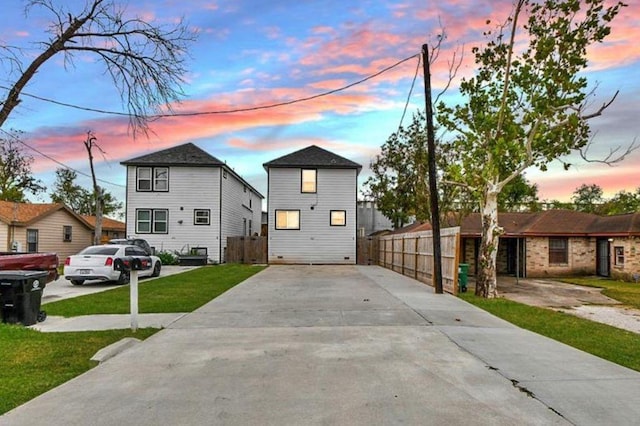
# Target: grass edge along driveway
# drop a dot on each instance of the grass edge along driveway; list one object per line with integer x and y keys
{"x": 602, "y": 340}
{"x": 33, "y": 362}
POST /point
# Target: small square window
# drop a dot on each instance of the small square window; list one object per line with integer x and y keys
{"x": 287, "y": 219}
{"x": 202, "y": 217}
{"x": 338, "y": 218}
{"x": 619, "y": 255}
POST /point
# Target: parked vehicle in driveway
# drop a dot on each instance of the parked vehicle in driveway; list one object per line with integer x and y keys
{"x": 15, "y": 261}
{"x": 99, "y": 263}
{"x": 143, "y": 244}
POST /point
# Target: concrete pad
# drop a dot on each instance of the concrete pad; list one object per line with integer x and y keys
{"x": 279, "y": 376}
{"x": 104, "y": 322}
{"x": 341, "y": 345}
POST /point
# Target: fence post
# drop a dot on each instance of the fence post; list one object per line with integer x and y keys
{"x": 415, "y": 261}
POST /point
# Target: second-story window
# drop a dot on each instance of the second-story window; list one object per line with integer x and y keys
{"x": 152, "y": 179}
{"x": 309, "y": 180}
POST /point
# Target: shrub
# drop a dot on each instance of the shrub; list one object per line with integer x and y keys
{"x": 167, "y": 258}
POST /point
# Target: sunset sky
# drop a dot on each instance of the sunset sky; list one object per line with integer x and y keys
{"x": 254, "y": 53}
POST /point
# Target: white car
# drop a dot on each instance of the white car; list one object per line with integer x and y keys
{"x": 97, "y": 263}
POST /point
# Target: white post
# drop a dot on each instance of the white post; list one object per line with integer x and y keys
{"x": 133, "y": 284}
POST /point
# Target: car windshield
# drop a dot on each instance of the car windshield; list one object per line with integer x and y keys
{"x": 107, "y": 251}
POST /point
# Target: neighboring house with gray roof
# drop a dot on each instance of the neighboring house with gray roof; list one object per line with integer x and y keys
{"x": 182, "y": 198}
{"x": 312, "y": 208}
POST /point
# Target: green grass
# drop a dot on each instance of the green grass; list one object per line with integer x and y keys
{"x": 611, "y": 343}
{"x": 625, "y": 292}
{"x": 32, "y": 362}
{"x": 183, "y": 292}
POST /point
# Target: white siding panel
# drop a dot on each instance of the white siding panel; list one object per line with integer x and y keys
{"x": 316, "y": 241}
{"x": 190, "y": 188}
{"x": 241, "y": 209}
{"x": 5, "y": 242}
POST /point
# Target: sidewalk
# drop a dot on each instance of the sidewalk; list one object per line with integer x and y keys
{"x": 341, "y": 345}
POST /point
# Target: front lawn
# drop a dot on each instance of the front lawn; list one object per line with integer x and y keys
{"x": 32, "y": 362}
{"x": 183, "y": 292}
{"x": 611, "y": 343}
{"x": 625, "y": 292}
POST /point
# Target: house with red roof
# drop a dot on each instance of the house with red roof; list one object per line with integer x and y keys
{"x": 559, "y": 242}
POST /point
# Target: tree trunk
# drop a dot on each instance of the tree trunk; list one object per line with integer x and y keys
{"x": 486, "y": 282}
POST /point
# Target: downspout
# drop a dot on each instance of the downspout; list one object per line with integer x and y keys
{"x": 220, "y": 219}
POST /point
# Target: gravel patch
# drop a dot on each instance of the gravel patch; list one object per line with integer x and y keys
{"x": 625, "y": 318}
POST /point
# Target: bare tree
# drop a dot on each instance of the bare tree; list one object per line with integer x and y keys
{"x": 145, "y": 61}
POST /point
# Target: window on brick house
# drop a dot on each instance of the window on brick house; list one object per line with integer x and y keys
{"x": 558, "y": 250}
{"x": 618, "y": 256}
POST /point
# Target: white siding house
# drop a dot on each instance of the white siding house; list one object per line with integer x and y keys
{"x": 182, "y": 198}
{"x": 312, "y": 208}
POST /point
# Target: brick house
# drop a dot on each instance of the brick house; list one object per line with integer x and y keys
{"x": 559, "y": 242}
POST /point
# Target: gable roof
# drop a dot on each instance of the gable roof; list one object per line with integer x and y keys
{"x": 23, "y": 214}
{"x": 186, "y": 154}
{"x": 313, "y": 156}
{"x": 108, "y": 224}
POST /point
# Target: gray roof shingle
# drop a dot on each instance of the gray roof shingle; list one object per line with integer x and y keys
{"x": 313, "y": 156}
{"x": 182, "y": 155}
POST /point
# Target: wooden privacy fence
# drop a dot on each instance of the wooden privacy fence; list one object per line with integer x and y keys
{"x": 411, "y": 254}
{"x": 246, "y": 250}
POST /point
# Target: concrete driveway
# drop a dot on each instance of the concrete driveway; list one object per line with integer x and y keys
{"x": 299, "y": 345}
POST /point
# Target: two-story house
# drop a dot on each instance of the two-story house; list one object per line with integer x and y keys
{"x": 183, "y": 199}
{"x": 312, "y": 208}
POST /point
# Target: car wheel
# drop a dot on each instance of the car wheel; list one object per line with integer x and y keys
{"x": 156, "y": 269}
{"x": 124, "y": 278}
{"x": 77, "y": 282}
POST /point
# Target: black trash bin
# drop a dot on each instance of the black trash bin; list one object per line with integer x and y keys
{"x": 21, "y": 296}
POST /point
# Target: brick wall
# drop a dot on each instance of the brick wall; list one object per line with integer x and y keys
{"x": 631, "y": 266}
{"x": 581, "y": 258}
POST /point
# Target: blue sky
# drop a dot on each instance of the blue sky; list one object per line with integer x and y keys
{"x": 251, "y": 53}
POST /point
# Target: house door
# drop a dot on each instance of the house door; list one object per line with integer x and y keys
{"x": 602, "y": 257}
{"x": 515, "y": 256}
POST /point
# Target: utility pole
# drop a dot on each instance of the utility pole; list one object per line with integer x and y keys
{"x": 97, "y": 191}
{"x": 433, "y": 189}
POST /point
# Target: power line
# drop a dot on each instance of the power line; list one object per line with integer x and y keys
{"x": 406, "y": 104}
{"x": 227, "y": 111}
{"x": 56, "y": 161}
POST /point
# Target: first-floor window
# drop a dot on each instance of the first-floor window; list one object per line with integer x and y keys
{"x": 202, "y": 217}
{"x": 66, "y": 233}
{"x": 152, "y": 221}
{"x": 619, "y": 255}
{"x": 287, "y": 219}
{"x": 558, "y": 250}
{"x": 338, "y": 218}
{"x": 32, "y": 240}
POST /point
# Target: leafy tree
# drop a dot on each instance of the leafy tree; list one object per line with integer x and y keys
{"x": 622, "y": 202}
{"x": 80, "y": 200}
{"x": 525, "y": 106}
{"x": 15, "y": 170}
{"x": 518, "y": 195}
{"x": 587, "y": 198}
{"x": 144, "y": 61}
{"x": 400, "y": 180}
